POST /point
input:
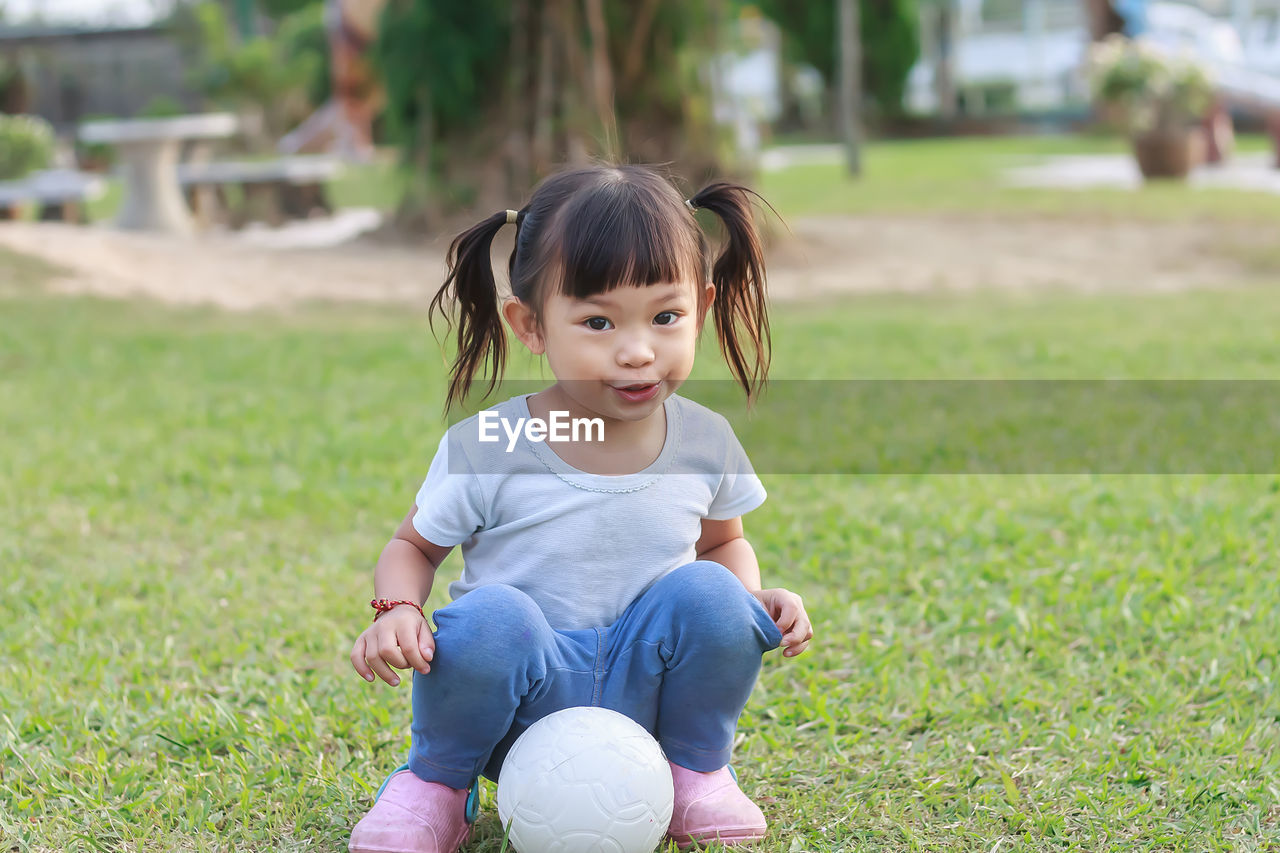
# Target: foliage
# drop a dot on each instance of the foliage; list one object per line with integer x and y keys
{"x": 302, "y": 33}
{"x": 281, "y": 9}
{"x": 441, "y": 62}
{"x": 484, "y": 106}
{"x": 14, "y": 91}
{"x": 890, "y": 31}
{"x": 1150, "y": 88}
{"x": 26, "y": 144}
{"x": 162, "y": 106}
{"x": 95, "y": 156}
{"x": 271, "y": 75}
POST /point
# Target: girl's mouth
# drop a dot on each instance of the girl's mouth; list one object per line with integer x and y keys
{"x": 637, "y": 392}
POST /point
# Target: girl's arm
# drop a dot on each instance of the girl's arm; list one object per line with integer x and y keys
{"x": 407, "y": 566}
{"x": 722, "y": 542}
{"x": 400, "y": 637}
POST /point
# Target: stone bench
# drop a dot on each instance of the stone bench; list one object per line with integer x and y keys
{"x": 148, "y": 152}
{"x": 60, "y": 193}
{"x": 276, "y": 190}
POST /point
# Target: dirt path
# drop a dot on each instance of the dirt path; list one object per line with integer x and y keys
{"x": 822, "y": 257}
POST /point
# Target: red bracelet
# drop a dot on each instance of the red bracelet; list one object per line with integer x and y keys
{"x": 382, "y": 605}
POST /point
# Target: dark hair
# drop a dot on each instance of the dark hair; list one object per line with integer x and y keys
{"x": 591, "y": 230}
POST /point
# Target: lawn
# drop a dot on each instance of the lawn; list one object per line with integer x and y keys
{"x": 963, "y": 176}
{"x": 193, "y": 503}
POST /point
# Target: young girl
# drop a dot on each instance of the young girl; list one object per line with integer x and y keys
{"x": 611, "y": 571}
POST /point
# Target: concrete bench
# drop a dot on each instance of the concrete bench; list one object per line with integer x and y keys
{"x": 277, "y": 190}
{"x": 60, "y": 193}
{"x": 148, "y": 150}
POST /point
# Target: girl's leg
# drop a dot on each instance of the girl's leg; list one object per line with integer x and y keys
{"x": 494, "y": 655}
{"x": 683, "y": 659}
{"x": 495, "y": 661}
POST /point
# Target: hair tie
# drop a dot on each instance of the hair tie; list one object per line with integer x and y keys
{"x": 690, "y": 204}
{"x": 511, "y": 216}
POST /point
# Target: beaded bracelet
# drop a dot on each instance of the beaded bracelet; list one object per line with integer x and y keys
{"x": 382, "y": 605}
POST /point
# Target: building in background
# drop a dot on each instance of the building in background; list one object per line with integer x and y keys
{"x": 70, "y": 73}
{"x": 1003, "y": 57}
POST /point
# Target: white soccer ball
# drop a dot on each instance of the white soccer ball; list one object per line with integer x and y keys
{"x": 585, "y": 780}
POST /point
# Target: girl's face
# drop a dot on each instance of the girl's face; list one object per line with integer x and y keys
{"x": 618, "y": 354}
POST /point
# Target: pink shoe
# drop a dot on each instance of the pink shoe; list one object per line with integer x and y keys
{"x": 413, "y": 816}
{"x": 711, "y": 807}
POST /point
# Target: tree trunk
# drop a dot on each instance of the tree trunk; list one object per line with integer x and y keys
{"x": 519, "y": 155}
{"x": 1103, "y": 19}
{"x": 420, "y": 209}
{"x": 944, "y": 74}
{"x": 849, "y": 46}
{"x": 560, "y": 101}
{"x": 575, "y": 116}
{"x": 602, "y": 81}
{"x": 633, "y": 66}
{"x": 544, "y": 101}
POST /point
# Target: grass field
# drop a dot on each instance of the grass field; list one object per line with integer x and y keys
{"x": 963, "y": 176}
{"x": 193, "y": 503}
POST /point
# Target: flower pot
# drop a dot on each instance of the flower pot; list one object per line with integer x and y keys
{"x": 1166, "y": 153}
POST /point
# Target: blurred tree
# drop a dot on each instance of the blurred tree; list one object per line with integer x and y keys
{"x": 278, "y": 9}
{"x": 302, "y": 33}
{"x": 944, "y": 15}
{"x": 15, "y": 94}
{"x": 491, "y": 95}
{"x": 850, "y": 57}
{"x": 270, "y": 78}
{"x": 890, "y": 32}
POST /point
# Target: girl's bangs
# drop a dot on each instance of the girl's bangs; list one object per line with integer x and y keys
{"x": 607, "y": 245}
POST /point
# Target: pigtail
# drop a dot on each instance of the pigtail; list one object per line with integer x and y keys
{"x": 741, "y": 313}
{"x": 471, "y": 285}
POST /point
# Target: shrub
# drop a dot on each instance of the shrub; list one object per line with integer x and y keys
{"x": 26, "y": 144}
{"x": 162, "y": 106}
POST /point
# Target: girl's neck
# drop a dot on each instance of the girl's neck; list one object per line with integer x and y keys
{"x": 628, "y": 446}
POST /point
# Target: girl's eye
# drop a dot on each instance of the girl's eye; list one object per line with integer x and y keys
{"x": 597, "y": 324}
{"x": 670, "y": 316}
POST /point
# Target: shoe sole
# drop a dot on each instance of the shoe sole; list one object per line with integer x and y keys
{"x": 728, "y": 838}
{"x": 466, "y": 836}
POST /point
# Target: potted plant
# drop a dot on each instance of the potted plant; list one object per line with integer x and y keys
{"x": 1158, "y": 97}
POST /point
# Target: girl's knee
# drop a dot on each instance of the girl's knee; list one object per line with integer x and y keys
{"x": 491, "y": 624}
{"x": 707, "y": 597}
{"x": 703, "y": 584}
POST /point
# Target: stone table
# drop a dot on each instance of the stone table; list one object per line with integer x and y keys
{"x": 149, "y": 150}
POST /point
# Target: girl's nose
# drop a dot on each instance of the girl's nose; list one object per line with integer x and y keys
{"x": 635, "y": 352}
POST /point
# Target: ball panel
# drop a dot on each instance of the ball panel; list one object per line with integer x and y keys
{"x": 585, "y": 779}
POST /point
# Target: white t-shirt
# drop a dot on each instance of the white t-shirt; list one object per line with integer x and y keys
{"x": 583, "y": 546}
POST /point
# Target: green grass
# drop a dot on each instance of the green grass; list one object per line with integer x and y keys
{"x": 962, "y": 177}
{"x": 193, "y": 502}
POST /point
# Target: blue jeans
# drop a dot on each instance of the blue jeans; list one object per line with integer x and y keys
{"x": 680, "y": 661}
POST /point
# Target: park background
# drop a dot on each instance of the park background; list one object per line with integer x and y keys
{"x": 207, "y": 438}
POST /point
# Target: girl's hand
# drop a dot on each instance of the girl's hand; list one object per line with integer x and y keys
{"x": 787, "y": 612}
{"x": 400, "y": 638}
